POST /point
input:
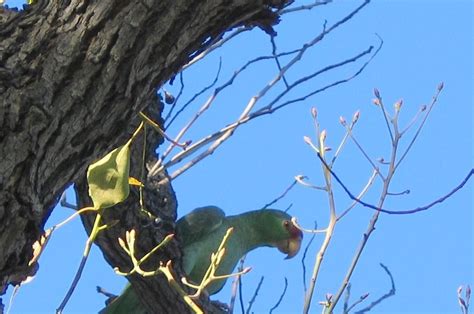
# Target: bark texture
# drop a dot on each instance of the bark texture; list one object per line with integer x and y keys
{"x": 73, "y": 75}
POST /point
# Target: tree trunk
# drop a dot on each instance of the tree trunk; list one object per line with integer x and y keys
{"x": 73, "y": 76}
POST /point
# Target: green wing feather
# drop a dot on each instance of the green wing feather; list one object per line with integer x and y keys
{"x": 197, "y": 224}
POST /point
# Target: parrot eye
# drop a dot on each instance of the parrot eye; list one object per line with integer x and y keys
{"x": 286, "y": 223}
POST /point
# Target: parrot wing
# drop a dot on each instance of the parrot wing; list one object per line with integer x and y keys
{"x": 197, "y": 224}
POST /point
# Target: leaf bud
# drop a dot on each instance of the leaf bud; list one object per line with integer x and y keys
{"x": 314, "y": 112}
{"x": 169, "y": 98}
{"x": 342, "y": 120}
{"x": 440, "y": 86}
{"x": 376, "y": 93}
{"x": 356, "y": 116}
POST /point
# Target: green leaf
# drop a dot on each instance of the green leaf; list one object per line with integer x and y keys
{"x": 108, "y": 178}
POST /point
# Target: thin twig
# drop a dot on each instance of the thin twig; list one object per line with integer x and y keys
{"x": 300, "y": 180}
{"x": 271, "y": 106}
{"x": 241, "y": 296}
{"x": 347, "y": 299}
{"x": 157, "y": 128}
{"x": 304, "y": 256}
{"x": 385, "y": 114}
{"x": 375, "y": 216}
{"x": 282, "y": 195}
{"x": 430, "y": 107}
{"x": 104, "y": 292}
{"x": 321, "y": 149}
{"x": 16, "y": 289}
{"x": 414, "y": 119}
{"x": 158, "y": 165}
{"x": 216, "y": 44}
{"x": 361, "y": 194}
{"x": 343, "y": 141}
{"x": 407, "y": 191}
{"x": 254, "y": 297}
{"x": 359, "y": 301}
{"x": 175, "y": 102}
{"x": 400, "y": 212}
{"x": 281, "y": 297}
{"x": 235, "y": 285}
{"x": 277, "y": 61}
{"x": 294, "y": 221}
{"x": 85, "y": 255}
{"x": 387, "y": 295}
{"x": 464, "y": 302}
{"x": 64, "y": 203}
{"x": 362, "y": 150}
{"x": 263, "y": 111}
{"x": 202, "y": 91}
{"x": 246, "y": 114}
{"x": 304, "y": 7}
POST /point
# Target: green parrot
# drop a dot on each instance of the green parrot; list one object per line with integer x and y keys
{"x": 201, "y": 232}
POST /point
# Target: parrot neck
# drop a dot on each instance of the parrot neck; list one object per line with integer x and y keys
{"x": 253, "y": 230}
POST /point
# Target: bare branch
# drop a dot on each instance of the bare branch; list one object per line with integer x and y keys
{"x": 254, "y": 297}
{"x": 180, "y": 156}
{"x": 295, "y": 222}
{"x": 65, "y": 203}
{"x": 247, "y": 114}
{"x": 361, "y": 194}
{"x": 414, "y": 119}
{"x": 288, "y": 189}
{"x": 175, "y": 102}
{"x": 359, "y": 301}
{"x": 399, "y": 212}
{"x": 430, "y": 107}
{"x": 304, "y": 256}
{"x": 274, "y": 48}
{"x": 270, "y": 108}
{"x": 300, "y": 180}
{"x": 386, "y": 183}
{"x": 218, "y": 41}
{"x": 305, "y": 7}
{"x": 407, "y": 191}
{"x": 235, "y": 286}
{"x": 362, "y": 150}
{"x": 347, "y": 298}
{"x": 378, "y": 101}
{"x": 343, "y": 142}
{"x": 215, "y": 45}
{"x": 321, "y": 149}
{"x": 241, "y": 296}
{"x": 281, "y": 297}
{"x": 464, "y": 302}
{"x": 387, "y": 295}
{"x": 202, "y": 91}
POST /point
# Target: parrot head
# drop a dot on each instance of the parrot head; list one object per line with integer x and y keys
{"x": 290, "y": 246}
{"x": 287, "y": 237}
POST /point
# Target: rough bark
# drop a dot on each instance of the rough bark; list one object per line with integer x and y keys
{"x": 73, "y": 75}
{"x": 159, "y": 199}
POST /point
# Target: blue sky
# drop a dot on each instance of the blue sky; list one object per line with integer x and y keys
{"x": 428, "y": 253}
